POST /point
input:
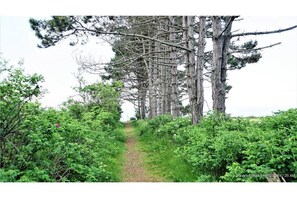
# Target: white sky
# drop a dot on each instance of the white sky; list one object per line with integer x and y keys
{"x": 258, "y": 89}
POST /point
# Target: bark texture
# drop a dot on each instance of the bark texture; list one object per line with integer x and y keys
{"x": 200, "y": 65}
{"x": 221, "y": 41}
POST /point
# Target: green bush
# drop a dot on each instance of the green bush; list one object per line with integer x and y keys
{"x": 71, "y": 152}
{"x": 80, "y": 142}
{"x": 221, "y": 148}
{"x": 271, "y": 148}
{"x": 158, "y": 121}
{"x": 170, "y": 128}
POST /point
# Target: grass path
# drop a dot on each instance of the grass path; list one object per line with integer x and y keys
{"x": 134, "y": 167}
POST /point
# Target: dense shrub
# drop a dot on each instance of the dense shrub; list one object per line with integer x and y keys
{"x": 80, "y": 142}
{"x": 170, "y": 128}
{"x": 222, "y": 148}
{"x": 208, "y": 148}
{"x": 271, "y": 148}
{"x": 69, "y": 151}
{"x": 155, "y": 123}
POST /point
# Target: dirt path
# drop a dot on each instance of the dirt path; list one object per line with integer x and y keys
{"x": 134, "y": 170}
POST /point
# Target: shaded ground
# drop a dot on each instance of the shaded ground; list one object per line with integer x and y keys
{"x": 134, "y": 168}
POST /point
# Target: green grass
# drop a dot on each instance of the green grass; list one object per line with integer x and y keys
{"x": 161, "y": 160}
{"x": 116, "y": 164}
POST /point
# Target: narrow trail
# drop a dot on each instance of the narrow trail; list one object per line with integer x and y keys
{"x": 134, "y": 170}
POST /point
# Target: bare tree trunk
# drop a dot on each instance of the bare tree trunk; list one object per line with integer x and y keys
{"x": 221, "y": 41}
{"x": 168, "y": 82}
{"x": 138, "y": 109}
{"x": 192, "y": 72}
{"x": 155, "y": 84}
{"x": 142, "y": 103}
{"x": 218, "y": 92}
{"x": 174, "y": 80}
{"x": 188, "y": 37}
{"x": 159, "y": 87}
{"x": 167, "y": 68}
{"x": 163, "y": 88}
{"x": 186, "y": 55}
{"x": 200, "y": 65}
{"x": 150, "y": 82}
{"x": 226, "y": 45}
{"x": 161, "y": 80}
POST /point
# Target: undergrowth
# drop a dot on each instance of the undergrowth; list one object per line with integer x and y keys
{"x": 222, "y": 148}
{"x": 160, "y": 154}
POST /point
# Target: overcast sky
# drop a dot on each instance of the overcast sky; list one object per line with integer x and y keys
{"x": 258, "y": 89}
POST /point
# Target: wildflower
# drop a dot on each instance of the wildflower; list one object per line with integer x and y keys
{"x": 58, "y": 125}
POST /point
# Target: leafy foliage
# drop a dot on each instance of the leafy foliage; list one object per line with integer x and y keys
{"x": 57, "y": 28}
{"x": 157, "y": 122}
{"x": 81, "y": 142}
{"x": 243, "y": 54}
{"x": 16, "y": 89}
{"x": 229, "y": 149}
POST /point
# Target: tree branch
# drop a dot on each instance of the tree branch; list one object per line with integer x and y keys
{"x": 266, "y": 32}
{"x": 260, "y": 48}
{"x": 136, "y": 35}
{"x": 227, "y": 26}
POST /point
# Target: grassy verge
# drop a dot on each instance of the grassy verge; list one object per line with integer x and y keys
{"x": 116, "y": 163}
{"x": 161, "y": 159}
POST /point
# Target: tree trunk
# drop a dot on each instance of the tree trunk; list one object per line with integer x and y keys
{"x": 218, "y": 92}
{"x": 221, "y": 41}
{"x": 149, "y": 68}
{"x": 155, "y": 84}
{"x": 200, "y": 65}
{"x": 163, "y": 87}
{"x": 142, "y": 103}
{"x": 168, "y": 82}
{"x": 188, "y": 37}
{"x": 160, "y": 79}
{"x": 226, "y": 45}
{"x": 174, "y": 80}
